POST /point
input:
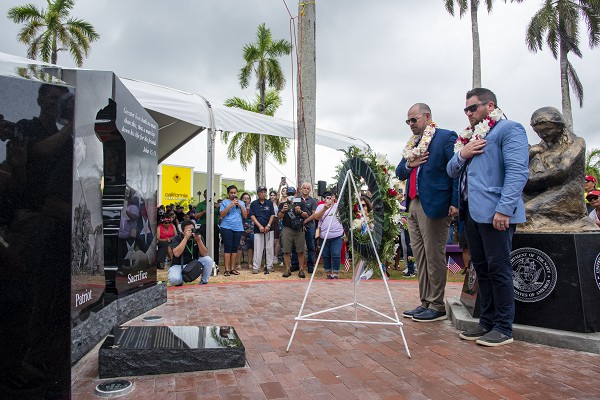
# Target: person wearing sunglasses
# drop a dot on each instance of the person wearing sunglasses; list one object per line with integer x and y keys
{"x": 493, "y": 167}
{"x": 593, "y": 197}
{"x": 165, "y": 233}
{"x": 431, "y": 203}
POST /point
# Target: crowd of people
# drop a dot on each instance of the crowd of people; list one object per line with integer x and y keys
{"x": 486, "y": 165}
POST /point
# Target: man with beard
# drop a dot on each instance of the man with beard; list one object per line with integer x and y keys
{"x": 492, "y": 161}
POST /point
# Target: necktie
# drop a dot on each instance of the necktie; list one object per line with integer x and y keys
{"x": 412, "y": 183}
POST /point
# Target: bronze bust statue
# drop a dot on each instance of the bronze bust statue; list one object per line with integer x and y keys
{"x": 553, "y": 194}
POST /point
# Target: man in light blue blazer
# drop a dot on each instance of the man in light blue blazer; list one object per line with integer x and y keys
{"x": 493, "y": 172}
{"x": 431, "y": 201}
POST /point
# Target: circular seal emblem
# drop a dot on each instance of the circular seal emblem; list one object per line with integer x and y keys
{"x": 472, "y": 277}
{"x": 534, "y": 274}
{"x": 597, "y": 270}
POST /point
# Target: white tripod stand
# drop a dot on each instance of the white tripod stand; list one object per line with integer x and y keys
{"x": 310, "y": 317}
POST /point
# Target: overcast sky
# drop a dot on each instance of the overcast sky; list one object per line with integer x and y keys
{"x": 374, "y": 60}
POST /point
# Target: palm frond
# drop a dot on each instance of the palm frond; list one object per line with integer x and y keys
{"x": 575, "y": 83}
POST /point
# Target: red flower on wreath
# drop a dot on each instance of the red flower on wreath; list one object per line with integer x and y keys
{"x": 392, "y": 192}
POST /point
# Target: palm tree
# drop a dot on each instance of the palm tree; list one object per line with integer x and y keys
{"x": 261, "y": 58}
{"x": 246, "y": 145}
{"x": 473, "y": 5}
{"x": 558, "y": 23}
{"x": 592, "y": 163}
{"x": 47, "y": 32}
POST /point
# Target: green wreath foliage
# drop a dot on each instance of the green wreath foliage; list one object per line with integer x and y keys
{"x": 388, "y": 188}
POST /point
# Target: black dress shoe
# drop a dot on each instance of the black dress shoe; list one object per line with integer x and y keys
{"x": 430, "y": 315}
{"x": 410, "y": 313}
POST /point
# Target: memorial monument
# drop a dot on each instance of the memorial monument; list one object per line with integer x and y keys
{"x": 55, "y": 172}
{"x": 556, "y": 253}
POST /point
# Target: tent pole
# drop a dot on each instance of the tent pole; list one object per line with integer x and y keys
{"x": 210, "y": 171}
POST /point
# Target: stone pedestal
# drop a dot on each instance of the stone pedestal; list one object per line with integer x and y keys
{"x": 557, "y": 280}
{"x": 152, "y": 350}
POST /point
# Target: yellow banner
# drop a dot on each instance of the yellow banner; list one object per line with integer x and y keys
{"x": 176, "y": 184}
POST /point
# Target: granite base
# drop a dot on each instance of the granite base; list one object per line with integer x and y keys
{"x": 153, "y": 350}
{"x": 91, "y": 331}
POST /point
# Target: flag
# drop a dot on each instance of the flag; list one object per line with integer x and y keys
{"x": 453, "y": 266}
{"x": 347, "y": 264}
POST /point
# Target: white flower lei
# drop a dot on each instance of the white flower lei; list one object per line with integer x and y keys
{"x": 479, "y": 131}
{"x": 411, "y": 150}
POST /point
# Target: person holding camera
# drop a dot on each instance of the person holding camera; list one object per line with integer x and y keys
{"x": 293, "y": 212}
{"x": 232, "y": 211}
{"x": 331, "y": 234}
{"x": 188, "y": 246}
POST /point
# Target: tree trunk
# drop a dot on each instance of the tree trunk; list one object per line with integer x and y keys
{"x": 476, "y": 49}
{"x": 261, "y": 178}
{"x": 307, "y": 88}
{"x": 257, "y": 168}
{"x": 54, "y": 56}
{"x": 564, "y": 87}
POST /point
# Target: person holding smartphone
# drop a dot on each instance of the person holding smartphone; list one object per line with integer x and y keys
{"x": 232, "y": 211}
{"x": 331, "y": 234}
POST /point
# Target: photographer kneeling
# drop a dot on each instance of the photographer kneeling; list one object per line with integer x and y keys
{"x": 188, "y": 246}
{"x": 293, "y": 212}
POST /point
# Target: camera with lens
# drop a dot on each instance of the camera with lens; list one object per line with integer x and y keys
{"x": 293, "y": 201}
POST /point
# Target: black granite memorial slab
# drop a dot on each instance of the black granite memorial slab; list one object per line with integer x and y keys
{"x": 557, "y": 280}
{"x": 152, "y": 350}
{"x": 36, "y": 158}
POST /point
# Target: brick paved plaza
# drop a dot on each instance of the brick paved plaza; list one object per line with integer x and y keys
{"x": 340, "y": 361}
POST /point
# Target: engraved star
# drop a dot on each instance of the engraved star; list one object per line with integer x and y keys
{"x": 130, "y": 249}
{"x": 146, "y": 228}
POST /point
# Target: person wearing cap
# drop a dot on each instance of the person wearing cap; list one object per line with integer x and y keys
{"x": 592, "y": 198}
{"x": 293, "y": 214}
{"x": 588, "y": 186}
{"x": 309, "y": 230}
{"x": 263, "y": 215}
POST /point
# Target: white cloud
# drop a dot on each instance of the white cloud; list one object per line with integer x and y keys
{"x": 374, "y": 60}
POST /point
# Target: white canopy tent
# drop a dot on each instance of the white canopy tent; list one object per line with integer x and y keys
{"x": 181, "y": 116}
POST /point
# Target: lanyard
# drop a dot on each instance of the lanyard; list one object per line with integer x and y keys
{"x": 190, "y": 249}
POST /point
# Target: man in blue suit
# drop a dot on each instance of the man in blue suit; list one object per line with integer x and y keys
{"x": 493, "y": 166}
{"x": 431, "y": 201}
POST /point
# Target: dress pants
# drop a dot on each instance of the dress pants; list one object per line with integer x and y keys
{"x": 259, "y": 245}
{"x": 428, "y": 242}
{"x": 490, "y": 253}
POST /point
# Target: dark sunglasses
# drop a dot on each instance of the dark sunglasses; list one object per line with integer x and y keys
{"x": 473, "y": 107}
{"x": 592, "y": 198}
{"x": 413, "y": 120}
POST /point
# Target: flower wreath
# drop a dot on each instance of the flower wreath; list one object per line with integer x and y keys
{"x": 480, "y": 131}
{"x": 384, "y": 219}
{"x": 412, "y": 150}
